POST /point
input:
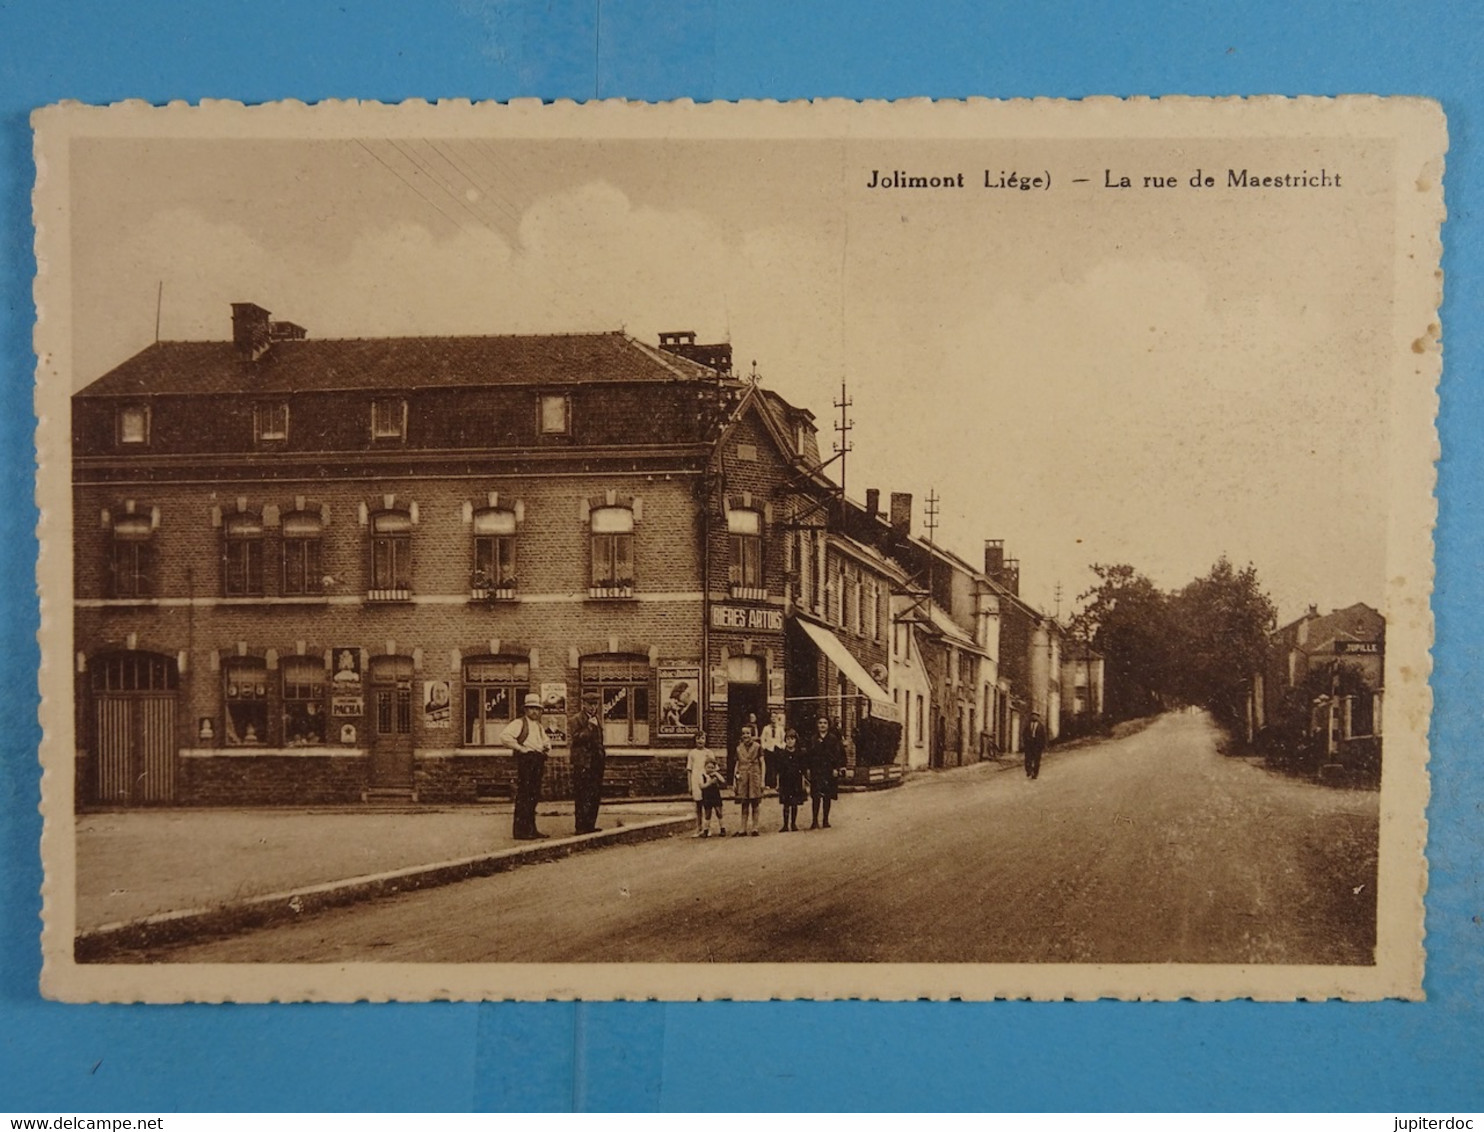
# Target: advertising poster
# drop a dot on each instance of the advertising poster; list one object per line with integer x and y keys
{"x": 680, "y": 708}
{"x": 437, "y": 704}
{"x": 554, "y": 712}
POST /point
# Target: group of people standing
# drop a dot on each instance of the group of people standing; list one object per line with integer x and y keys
{"x": 774, "y": 758}
{"x": 527, "y": 738}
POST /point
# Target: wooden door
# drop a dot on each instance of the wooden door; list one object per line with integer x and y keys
{"x": 134, "y": 716}
{"x": 391, "y": 721}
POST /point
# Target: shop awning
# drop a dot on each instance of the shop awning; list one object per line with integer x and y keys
{"x": 850, "y": 668}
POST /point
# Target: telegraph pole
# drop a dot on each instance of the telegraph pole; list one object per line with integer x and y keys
{"x": 843, "y": 445}
{"x": 930, "y": 513}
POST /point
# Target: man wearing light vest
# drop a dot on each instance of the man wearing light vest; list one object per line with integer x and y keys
{"x": 527, "y": 738}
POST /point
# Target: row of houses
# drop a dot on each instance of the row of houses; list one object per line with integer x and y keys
{"x": 328, "y": 570}
{"x": 1316, "y": 701}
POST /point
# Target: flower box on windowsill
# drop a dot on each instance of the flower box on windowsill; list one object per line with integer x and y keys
{"x": 612, "y": 590}
{"x": 749, "y": 593}
{"x": 396, "y": 593}
{"x": 492, "y": 593}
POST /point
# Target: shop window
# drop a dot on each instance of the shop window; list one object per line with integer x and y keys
{"x": 133, "y": 424}
{"x": 242, "y": 575}
{"x": 131, "y": 557}
{"x": 303, "y": 702}
{"x": 302, "y": 533}
{"x": 245, "y": 687}
{"x": 555, "y": 414}
{"x": 389, "y": 419}
{"x": 391, "y": 556}
{"x": 493, "y": 690}
{"x": 613, "y": 551}
{"x": 745, "y": 533}
{"x": 270, "y": 421}
{"x": 494, "y": 552}
{"x": 622, "y": 686}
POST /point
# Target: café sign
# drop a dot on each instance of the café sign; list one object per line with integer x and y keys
{"x": 743, "y": 617}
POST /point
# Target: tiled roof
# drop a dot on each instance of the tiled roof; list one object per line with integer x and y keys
{"x": 395, "y": 363}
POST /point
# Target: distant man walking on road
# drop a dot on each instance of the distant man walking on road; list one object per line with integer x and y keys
{"x": 588, "y": 756}
{"x": 527, "y": 738}
{"x": 1035, "y": 746}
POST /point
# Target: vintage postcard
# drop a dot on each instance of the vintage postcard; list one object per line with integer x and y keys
{"x": 751, "y": 551}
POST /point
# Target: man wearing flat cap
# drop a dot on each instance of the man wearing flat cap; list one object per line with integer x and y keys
{"x": 527, "y": 738}
{"x": 588, "y": 756}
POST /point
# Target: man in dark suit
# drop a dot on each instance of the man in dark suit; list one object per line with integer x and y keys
{"x": 588, "y": 756}
{"x": 1035, "y": 746}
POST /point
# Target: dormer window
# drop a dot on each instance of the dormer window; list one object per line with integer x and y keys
{"x": 270, "y": 421}
{"x": 555, "y": 414}
{"x": 133, "y": 424}
{"x": 389, "y": 419}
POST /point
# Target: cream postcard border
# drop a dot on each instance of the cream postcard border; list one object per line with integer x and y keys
{"x": 1415, "y": 127}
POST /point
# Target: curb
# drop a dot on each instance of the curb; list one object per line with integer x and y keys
{"x": 103, "y": 943}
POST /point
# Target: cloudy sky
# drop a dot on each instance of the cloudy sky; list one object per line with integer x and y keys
{"x": 1090, "y": 374}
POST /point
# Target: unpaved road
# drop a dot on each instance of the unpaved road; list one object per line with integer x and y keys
{"x": 1153, "y": 848}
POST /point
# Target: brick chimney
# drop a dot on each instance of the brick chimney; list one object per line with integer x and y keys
{"x": 873, "y": 504}
{"x": 716, "y": 355}
{"x": 901, "y": 512}
{"x": 252, "y": 330}
{"x": 1010, "y": 577}
{"x": 994, "y": 557}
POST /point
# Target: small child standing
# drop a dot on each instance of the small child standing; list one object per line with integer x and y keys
{"x": 711, "y": 781}
{"x": 695, "y": 774}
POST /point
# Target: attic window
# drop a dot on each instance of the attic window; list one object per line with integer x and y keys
{"x": 389, "y": 419}
{"x": 133, "y": 424}
{"x": 270, "y": 420}
{"x": 555, "y": 414}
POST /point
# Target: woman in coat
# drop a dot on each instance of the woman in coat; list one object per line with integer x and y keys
{"x": 825, "y": 757}
{"x": 747, "y": 780}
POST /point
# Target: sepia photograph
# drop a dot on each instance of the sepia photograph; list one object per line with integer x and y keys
{"x": 754, "y": 551}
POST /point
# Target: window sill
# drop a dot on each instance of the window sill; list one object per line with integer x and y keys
{"x": 499, "y": 593}
{"x": 388, "y": 597}
{"x": 611, "y": 593}
{"x": 749, "y": 593}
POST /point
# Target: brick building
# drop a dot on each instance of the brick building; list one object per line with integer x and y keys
{"x": 1327, "y": 669}
{"x": 314, "y": 571}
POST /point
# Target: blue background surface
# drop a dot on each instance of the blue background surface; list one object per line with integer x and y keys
{"x": 1388, "y": 1056}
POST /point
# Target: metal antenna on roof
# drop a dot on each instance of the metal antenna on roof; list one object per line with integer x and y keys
{"x": 930, "y": 513}
{"x": 159, "y": 298}
{"x": 1058, "y": 601}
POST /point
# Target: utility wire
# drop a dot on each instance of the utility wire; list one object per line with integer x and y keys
{"x": 439, "y": 183}
{"x": 448, "y": 160}
{"x": 429, "y": 201}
